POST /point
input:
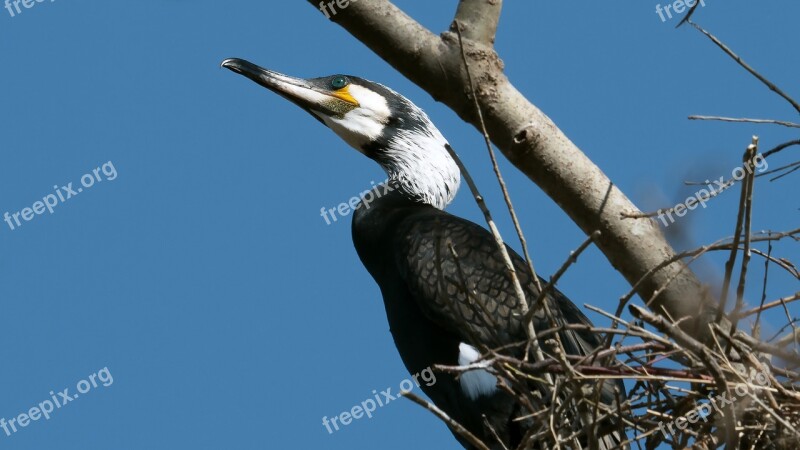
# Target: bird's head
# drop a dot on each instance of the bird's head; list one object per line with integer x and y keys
{"x": 376, "y": 121}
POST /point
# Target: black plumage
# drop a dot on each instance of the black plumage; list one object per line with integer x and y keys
{"x": 408, "y": 249}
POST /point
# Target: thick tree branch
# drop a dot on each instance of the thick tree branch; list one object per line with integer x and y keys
{"x": 479, "y": 19}
{"x": 535, "y": 145}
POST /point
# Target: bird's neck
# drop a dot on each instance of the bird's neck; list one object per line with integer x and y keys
{"x": 419, "y": 166}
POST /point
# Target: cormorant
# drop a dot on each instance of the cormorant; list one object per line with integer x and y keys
{"x": 405, "y": 240}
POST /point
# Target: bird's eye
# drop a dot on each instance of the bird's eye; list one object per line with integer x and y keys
{"x": 338, "y": 82}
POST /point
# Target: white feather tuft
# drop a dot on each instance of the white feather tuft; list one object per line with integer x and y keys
{"x": 475, "y": 382}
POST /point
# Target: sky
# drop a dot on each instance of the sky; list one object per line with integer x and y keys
{"x": 192, "y": 294}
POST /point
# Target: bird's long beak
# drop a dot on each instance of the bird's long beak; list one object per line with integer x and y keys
{"x": 297, "y": 90}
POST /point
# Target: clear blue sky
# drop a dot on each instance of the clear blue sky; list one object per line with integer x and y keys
{"x": 203, "y": 277}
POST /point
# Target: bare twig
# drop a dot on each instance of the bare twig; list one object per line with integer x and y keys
{"x": 781, "y": 301}
{"x": 455, "y": 426}
{"x": 747, "y": 212}
{"x": 781, "y": 147}
{"x": 736, "y": 236}
{"x": 746, "y": 66}
{"x": 573, "y": 257}
{"x": 745, "y": 120}
{"x": 688, "y": 14}
{"x": 756, "y": 328}
{"x": 793, "y": 166}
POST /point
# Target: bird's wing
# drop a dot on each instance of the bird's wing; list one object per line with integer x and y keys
{"x": 488, "y": 311}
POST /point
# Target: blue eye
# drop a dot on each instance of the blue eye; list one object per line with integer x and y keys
{"x": 338, "y": 82}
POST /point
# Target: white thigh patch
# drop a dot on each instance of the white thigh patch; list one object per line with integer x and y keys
{"x": 475, "y": 382}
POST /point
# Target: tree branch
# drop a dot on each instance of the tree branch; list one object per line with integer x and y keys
{"x": 479, "y": 19}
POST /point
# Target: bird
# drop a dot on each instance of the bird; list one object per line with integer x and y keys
{"x": 445, "y": 286}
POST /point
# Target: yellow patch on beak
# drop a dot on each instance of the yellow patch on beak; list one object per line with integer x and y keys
{"x": 344, "y": 94}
